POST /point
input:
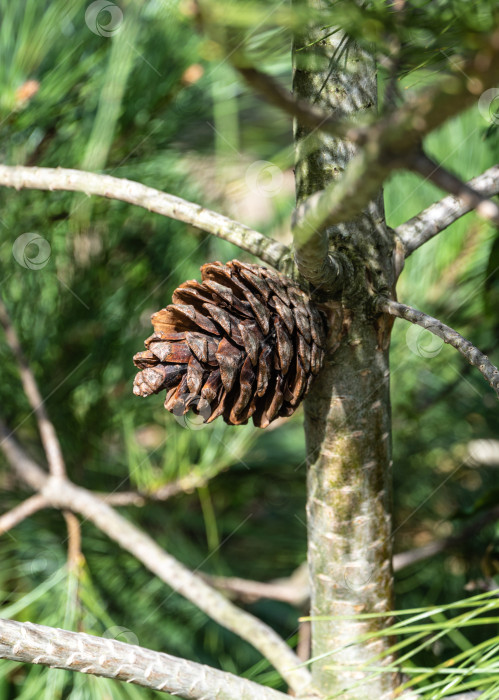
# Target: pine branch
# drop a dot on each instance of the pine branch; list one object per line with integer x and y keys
{"x": 448, "y": 335}
{"x": 48, "y": 434}
{"x": 153, "y": 200}
{"x": 73, "y": 651}
{"x": 62, "y": 494}
{"x": 433, "y": 171}
{"x": 437, "y": 217}
{"x": 21, "y": 512}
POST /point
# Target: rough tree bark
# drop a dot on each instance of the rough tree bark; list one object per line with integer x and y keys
{"x": 347, "y": 413}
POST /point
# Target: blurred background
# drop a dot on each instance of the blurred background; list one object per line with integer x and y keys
{"x": 136, "y": 92}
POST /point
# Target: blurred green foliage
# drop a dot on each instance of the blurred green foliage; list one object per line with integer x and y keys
{"x": 156, "y": 102}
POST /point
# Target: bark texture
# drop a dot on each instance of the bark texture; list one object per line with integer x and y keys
{"x": 347, "y": 412}
{"x": 38, "y": 644}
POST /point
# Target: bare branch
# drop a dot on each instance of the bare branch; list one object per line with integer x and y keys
{"x": 148, "y": 198}
{"x": 48, "y": 435}
{"x": 73, "y": 651}
{"x": 64, "y": 495}
{"x": 448, "y": 335}
{"x": 184, "y": 484}
{"x": 293, "y": 590}
{"x": 74, "y": 540}
{"x": 21, "y": 512}
{"x": 446, "y": 180}
{"x": 431, "y": 221}
{"x": 122, "y": 498}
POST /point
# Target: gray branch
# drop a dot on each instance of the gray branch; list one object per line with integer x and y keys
{"x": 436, "y": 173}
{"x": 21, "y": 512}
{"x": 50, "y": 441}
{"x": 436, "y": 218}
{"x": 39, "y": 644}
{"x": 448, "y": 335}
{"x": 62, "y": 494}
{"x": 294, "y": 589}
{"x": 148, "y": 198}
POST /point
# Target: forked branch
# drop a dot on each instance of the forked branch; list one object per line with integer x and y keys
{"x": 73, "y": 651}
{"x": 148, "y": 198}
{"x": 448, "y": 335}
{"x": 62, "y": 494}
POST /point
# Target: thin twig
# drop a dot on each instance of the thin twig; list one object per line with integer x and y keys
{"x": 184, "y": 484}
{"x": 74, "y": 540}
{"x": 431, "y": 170}
{"x": 148, "y": 198}
{"x": 74, "y": 651}
{"x": 48, "y": 435}
{"x": 436, "y": 218}
{"x": 64, "y": 495}
{"x": 474, "y": 356}
{"x": 404, "y": 559}
{"x": 294, "y": 589}
{"x": 21, "y": 512}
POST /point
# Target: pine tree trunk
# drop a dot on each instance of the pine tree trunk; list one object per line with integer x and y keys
{"x": 347, "y": 413}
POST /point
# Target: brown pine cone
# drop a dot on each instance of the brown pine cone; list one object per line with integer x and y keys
{"x": 246, "y": 341}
